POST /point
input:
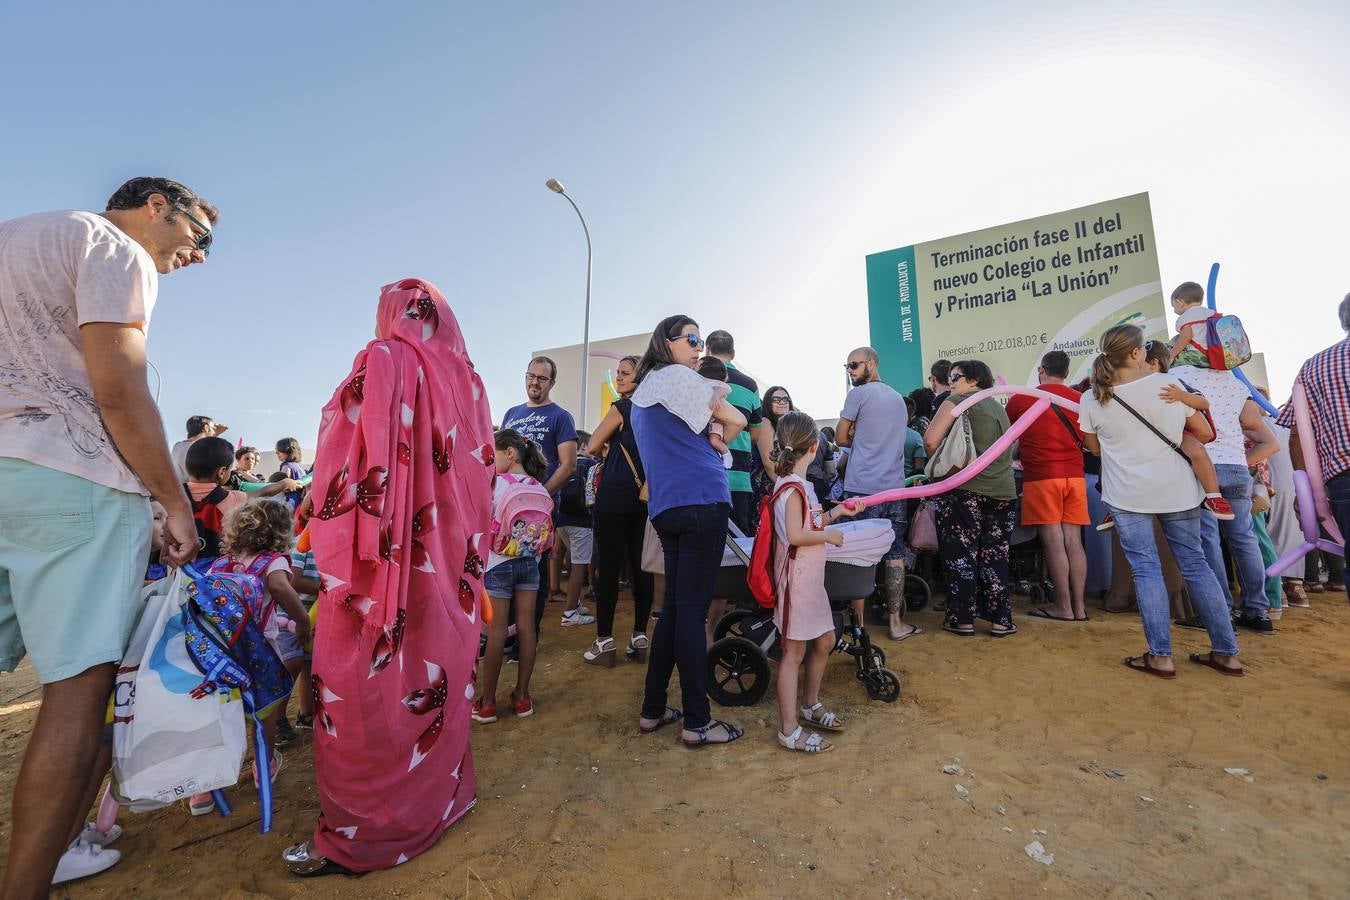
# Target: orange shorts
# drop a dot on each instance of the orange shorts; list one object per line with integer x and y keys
{"x": 1055, "y": 501}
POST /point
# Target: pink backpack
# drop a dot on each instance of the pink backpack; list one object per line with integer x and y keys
{"x": 522, "y": 522}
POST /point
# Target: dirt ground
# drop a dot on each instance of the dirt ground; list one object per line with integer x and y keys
{"x": 1120, "y": 776}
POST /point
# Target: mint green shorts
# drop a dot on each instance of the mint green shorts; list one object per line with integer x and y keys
{"x": 72, "y": 563}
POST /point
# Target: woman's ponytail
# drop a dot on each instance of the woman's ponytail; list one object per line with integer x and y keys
{"x": 1117, "y": 343}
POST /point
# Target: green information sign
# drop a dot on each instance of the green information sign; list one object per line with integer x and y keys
{"x": 1008, "y": 294}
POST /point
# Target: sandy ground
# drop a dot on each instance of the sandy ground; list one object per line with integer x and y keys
{"x": 1120, "y": 776}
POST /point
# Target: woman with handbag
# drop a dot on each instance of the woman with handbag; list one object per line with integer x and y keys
{"x": 975, "y": 521}
{"x": 1146, "y": 476}
{"x": 620, "y": 515}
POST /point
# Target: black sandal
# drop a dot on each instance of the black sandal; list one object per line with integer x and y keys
{"x": 669, "y": 717}
{"x": 958, "y": 630}
{"x": 732, "y": 734}
{"x": 301, "y": 864}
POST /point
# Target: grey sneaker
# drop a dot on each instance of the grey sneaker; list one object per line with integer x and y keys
{"x": 577, "y": 617}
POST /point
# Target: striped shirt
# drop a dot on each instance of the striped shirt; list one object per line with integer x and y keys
{"x": 1326, "y": 381}
{"x": 745, "y": 397}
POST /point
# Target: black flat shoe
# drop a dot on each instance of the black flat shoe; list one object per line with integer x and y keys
{"x": 302, "y": 864}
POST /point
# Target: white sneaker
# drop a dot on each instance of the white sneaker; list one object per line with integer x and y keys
{"x": 577, "y": 617}
{"x": 82, "y": 860}
{"x": 91, "y": 834}
{"x": 583, "y": 609}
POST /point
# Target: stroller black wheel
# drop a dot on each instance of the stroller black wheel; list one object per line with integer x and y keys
{"x": 883, "y": 686}
{"x": 730, "y": 624}
{"x": 738, "y": 672}
{"x": 917, "y": 593}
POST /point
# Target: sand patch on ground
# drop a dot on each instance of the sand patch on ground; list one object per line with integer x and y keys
{"x": 1059, "y": 744}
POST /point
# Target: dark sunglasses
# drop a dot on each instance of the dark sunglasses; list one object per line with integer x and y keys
{"x": 202, "y": 240}
{"x": 853, "y": 365}
{"x": 694, "y": 340}
{"x": 954, "y": 377}
{"x": 781, "y": 398}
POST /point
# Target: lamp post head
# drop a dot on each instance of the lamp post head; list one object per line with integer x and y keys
{"x": 553, "y": 185}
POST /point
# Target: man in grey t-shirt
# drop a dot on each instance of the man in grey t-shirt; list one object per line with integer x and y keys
{"x": 872, "y": 425}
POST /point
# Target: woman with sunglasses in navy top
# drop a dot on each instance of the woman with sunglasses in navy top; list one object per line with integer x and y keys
{"x": 689, "y": 502}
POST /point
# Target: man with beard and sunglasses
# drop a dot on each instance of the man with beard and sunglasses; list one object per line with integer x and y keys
{"x": 82, "y": 451}
{"x": 872, "y": 426}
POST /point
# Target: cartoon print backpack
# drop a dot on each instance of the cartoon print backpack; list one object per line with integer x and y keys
{"x": 229, "y": 648}
{"x": 1226, "y": 345}
{"x": 759, "y": 574}
{"x": 523, "y": 523}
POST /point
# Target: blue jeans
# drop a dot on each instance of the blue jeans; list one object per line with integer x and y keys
{"x": 693, "y": 538}
{"x": 1235, "y": 483}
{"x": 1183, "y": 533}
{"x": 1338, "y": 495}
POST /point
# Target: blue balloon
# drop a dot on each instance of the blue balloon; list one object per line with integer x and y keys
{"x": 1241, "y": 375}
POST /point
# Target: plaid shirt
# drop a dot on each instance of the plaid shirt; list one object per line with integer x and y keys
{"x": 1326, "y": 380}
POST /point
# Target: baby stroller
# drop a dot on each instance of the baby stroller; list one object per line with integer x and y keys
{"x": 745, "y": 638}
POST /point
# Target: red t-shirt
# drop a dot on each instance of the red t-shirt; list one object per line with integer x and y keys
{"x": 1047, "y": 449}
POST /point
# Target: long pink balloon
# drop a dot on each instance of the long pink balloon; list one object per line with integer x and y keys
{"x": 1312, "y": 463}
{"x": 1042, "y": 404}
{"x": 1307, "y": 516}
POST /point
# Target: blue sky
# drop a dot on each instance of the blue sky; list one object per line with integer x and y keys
{"x": 736, "y": 162}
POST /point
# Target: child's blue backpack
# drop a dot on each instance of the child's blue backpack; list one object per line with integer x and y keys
{"x": 229, "y": 648}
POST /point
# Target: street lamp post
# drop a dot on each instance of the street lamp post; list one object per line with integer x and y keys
{"x": 554, "y": 185}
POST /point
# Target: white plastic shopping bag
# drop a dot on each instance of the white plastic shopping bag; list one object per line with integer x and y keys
{"x": 168, "y": 745}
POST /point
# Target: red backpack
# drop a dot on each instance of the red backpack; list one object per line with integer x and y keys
{"x": 760, "y": 574}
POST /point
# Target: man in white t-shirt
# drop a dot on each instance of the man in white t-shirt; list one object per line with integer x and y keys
{"x": 81, "y": 448}
{"x": 198, "y": 427}
{"x": 1236, "y": 417}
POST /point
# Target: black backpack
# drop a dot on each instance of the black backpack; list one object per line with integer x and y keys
{"x": 572, "y": 497}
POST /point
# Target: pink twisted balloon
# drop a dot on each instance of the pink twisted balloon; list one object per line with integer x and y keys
{"x": 1310, "y": 494}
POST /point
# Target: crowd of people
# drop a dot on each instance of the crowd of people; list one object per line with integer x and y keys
{"x": 425, "y": 536}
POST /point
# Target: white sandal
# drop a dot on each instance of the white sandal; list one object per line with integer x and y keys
{"x": 602, "y": 653}
{"x": 821, "y": 717}
{"x": 814, "y": 742}
{"x": 638, "y": 645}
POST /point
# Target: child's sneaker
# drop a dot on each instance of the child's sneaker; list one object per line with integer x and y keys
{"x": 1107, "y": 523}
{"x": 285, "y": 733}
{"x": 305, "y": 720}
{"x": 1220, "y": 508}
{"x": 82, "y": 860}
{"x": 576, "y": 617}
{"x": 202, "y": 805}
{"x": 483, "y": 713}
{"x": 522, "y": 706}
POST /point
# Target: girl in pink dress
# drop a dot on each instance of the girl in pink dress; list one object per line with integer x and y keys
{"x": 803, "y": 613}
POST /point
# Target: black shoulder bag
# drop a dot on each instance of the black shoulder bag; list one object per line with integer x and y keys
{"x": 1162, "y": 437}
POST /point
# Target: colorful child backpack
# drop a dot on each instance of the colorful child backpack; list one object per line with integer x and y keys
{"x": 229, "y": 648}
{"x": 210, "y": 522}
{"x": 523, "y": 522}
{"x": 760, "y": 574}
{"x": 1226, "y": 345}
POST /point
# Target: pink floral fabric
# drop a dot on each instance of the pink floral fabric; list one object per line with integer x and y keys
{"x": 403, "y": 503}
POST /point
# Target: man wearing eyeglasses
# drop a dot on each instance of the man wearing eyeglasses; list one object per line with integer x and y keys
{"x": 550, "y": 426}
{"x": 81, "y": 451}
{"x": 872, "y": 425}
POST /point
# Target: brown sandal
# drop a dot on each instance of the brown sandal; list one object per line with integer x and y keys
{"x": 1146, "y": 667}
{"x": 1207, "y": 659}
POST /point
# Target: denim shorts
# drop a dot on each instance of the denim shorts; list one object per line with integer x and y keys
{"x": 899, "y": 519}
{"x": 288, "y": 647}
{"x": 519, "y": 573}
{"x": 72, "y": 563}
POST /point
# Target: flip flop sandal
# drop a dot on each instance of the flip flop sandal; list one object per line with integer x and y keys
{"x": 1007, "y": 632}
{"x": 1146, "y": 668}
{"x": 814, "y": 742}
{"x": 958, "y": 631}
{"x": 913, "y": 630}
{"x": 821, "y": 717}
{"x": 1042, "y": 613}
{"x": 1207, "y": 659}
{"x": 732, "y": 734}
{"x": 669, "y": 717}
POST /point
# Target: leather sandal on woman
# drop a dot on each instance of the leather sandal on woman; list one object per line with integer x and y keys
{"x": 301, "y": 863}
{"x": 669, "y": 717}
{"x": 602, "y": 653}
{"x": 638, "y": 645}
{"x": 821, "y": 717}
{"x": 811, "y": 742}
{"x": 715, "y": 732}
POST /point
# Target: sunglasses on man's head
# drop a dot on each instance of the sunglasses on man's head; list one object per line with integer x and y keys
{"x": 203, "y": 240}
{"x": 853, "y": 365}
{"x": 694, "y": 340}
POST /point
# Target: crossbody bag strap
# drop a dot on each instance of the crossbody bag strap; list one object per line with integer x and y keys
{"x": 1073, "y": 432}
{"x": 1162, "y": 437}
{"x": 636, "y": 477}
